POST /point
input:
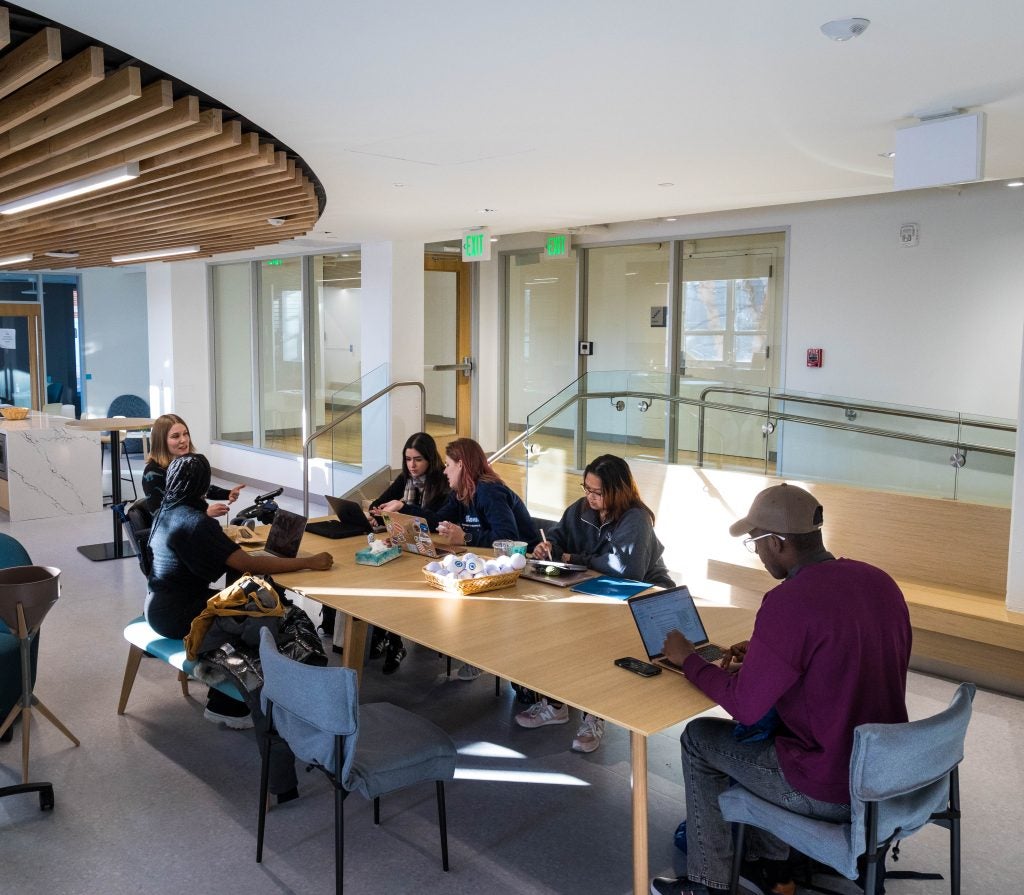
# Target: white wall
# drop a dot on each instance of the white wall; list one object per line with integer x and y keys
{"x": 114, "y": 332}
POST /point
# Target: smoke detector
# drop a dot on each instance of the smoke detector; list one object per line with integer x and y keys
{"x": 275, "y": 222}
{"x": 845, "y": 29}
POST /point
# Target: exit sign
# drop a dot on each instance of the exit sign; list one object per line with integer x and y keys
{"x": 274, "y": 262}
{"x": 557, "y": 245}
{"x": 476, "y": 245}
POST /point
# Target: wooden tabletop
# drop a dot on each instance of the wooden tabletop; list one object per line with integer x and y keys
{"x": 122, "y": 423}
{"x": 544, "y": 637}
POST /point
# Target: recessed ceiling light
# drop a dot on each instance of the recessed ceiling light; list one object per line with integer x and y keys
{"x": 1015, "y": 183}
{"x": 398, "y": 184}
{"x": 845, "y": 29}
{"x": 666, "y": 183}
{"x": 494, "y": 239}
{"x": 488, "y": 210}
{"x": 887, "y": 155}
{"x": 671, "y": 219}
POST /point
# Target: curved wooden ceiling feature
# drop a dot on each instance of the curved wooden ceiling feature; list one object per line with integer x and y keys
{"x": 203, "y": 179}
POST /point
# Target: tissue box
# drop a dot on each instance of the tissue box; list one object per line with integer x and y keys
{"x": 367, "y": 558}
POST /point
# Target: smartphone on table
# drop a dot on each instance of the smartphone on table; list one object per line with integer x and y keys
{"x": 644, "y": 669}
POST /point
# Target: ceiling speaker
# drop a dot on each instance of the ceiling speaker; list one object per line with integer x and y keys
{"x": 940, "y": 151}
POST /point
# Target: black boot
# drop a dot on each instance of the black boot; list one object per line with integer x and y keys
{"x": 394, "y": 654}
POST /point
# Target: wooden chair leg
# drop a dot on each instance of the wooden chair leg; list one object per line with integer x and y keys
{"x": 131, "y": 669}
{"x": 26, "y": 726}
{"x": 183, "y": 680}
{"x": 54, "y": 720}
{"x": 11, "y": 717}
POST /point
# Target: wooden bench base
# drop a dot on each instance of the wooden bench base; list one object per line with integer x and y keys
{"x": 143, "y": 639}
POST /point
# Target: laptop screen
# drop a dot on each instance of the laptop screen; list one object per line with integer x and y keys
{"x": 658, "y": 613}
{"x": 286, "y": 534}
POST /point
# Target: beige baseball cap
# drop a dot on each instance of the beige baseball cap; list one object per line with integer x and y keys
{"x": 781, "y": 509}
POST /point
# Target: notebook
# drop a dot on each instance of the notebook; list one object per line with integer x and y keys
{"x": 412, "y": 533}
{"x": 607, "y": 586}
{"x": 351, "y": 520}
{"x": 285, "y": 535}
{"x": 658, "y": 613}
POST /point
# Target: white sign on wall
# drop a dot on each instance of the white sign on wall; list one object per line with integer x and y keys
{"x": 7, "y": 338}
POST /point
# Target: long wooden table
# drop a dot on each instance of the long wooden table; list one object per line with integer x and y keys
{"x": 543, "y": 637}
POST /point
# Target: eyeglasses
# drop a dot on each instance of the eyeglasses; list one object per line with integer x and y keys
{"x": 591, "y": 492}
{"x": 751, "y": 543}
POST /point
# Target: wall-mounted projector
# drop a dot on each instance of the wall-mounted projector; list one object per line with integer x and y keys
{"x": 940, "y": 151}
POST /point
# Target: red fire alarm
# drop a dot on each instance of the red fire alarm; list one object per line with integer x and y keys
{"x": 815, "y": 357}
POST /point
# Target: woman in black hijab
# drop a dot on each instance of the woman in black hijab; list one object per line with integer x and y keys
{"x": 190, "y": 551}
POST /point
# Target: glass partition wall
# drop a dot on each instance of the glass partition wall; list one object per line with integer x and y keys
{"x": 296, "y": 321}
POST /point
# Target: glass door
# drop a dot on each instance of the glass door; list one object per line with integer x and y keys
{"x": 21, "y": 380}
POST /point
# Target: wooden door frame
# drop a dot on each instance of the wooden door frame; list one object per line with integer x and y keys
{"x": 463, "y": 333}
{"x": 32, "y": 312}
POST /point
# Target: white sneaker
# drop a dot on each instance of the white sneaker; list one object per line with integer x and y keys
{"x": 588, "y": 737}
{"x": 541, "y": 713}
{"x": 243, "y": 722}
{"x": 468, "y": 673}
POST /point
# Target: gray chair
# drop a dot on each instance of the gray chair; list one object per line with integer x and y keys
{"x": 902, "y": 777}
{"x": 371, "y": 749}
{"x": 27, "y": 593}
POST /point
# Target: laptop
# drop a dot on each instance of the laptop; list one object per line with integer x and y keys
{"x": 412, "y": 533}
{"x": 284, "y": 536}
{"x": 351, "y": 520}
{"x": 658, "y": 613}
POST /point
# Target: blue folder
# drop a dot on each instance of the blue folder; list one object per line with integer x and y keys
{"x": 619, "y": 588}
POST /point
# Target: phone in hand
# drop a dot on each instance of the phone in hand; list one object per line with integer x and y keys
{"x": 644, "y": 669}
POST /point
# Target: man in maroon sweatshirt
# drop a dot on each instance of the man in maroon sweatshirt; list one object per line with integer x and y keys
{"x": 829, "y": 651}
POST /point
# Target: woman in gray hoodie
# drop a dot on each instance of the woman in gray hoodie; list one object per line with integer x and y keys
{"x": 611, "y": 530}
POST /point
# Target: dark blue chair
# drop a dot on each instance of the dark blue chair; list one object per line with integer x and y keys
{"x": 12, "y": 554}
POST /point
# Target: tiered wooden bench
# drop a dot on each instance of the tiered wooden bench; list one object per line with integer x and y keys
{"x": 949, "y": 557}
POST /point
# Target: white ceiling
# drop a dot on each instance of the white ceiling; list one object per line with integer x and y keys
{"x": 565, "y": 113}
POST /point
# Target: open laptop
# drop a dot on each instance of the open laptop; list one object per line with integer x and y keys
{"x": 351, "y": 520}
{"x": 412, "y": 533}
{"x": 658, "y": 613}
{"x": 284, "y": 536}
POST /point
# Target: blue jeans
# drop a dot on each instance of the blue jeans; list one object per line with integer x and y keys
{"x": 711, "y": 756}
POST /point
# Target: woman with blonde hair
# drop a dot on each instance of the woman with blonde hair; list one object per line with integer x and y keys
{"x": 170, "y": 439}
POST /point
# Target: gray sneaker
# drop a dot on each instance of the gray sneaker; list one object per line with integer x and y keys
{"x": 589, "y": 736}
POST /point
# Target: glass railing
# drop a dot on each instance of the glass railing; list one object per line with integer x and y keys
{"x": 925, "y": 451}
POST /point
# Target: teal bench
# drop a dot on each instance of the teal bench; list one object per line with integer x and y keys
{"x": 143, "y": 639}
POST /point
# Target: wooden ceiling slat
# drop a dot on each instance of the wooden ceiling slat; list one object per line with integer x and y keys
{"x": 120, "y": 88}
{"x": 143, "y": 186}
{"x": 34, "y": 57}
{"x": 23, "y": 171}
{"x": 131, "y": 206}
{"x": 5, "y": 27}
{"x": 53, "y": 88}
{"x": 202, "y": 181}
{"x": 279, "y": 203}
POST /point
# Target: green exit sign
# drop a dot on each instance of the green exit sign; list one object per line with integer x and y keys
{"x": 557, "y": 245}
{"x": 274, "y": 262}
{"x": 476, "y": 245}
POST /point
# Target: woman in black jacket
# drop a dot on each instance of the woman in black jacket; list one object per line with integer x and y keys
{"x": 420, "y": 486}
{"x": 169, "y": 439}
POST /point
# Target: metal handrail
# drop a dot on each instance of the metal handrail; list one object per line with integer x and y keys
{"x": 323, "y": 430}
{"x": 846, "y": 405}
{"x": 703, "y": 405}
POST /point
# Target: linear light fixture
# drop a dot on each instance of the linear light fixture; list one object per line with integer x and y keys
{"x": 73, "y": 188}
{"x": 156, "y": 253}
{"x": 65, "y": 255}
{"x": 15, "y": 259}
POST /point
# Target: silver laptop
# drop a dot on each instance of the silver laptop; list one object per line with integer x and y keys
{"x": 284, "y": 536}
{"x": 658, "y": 613}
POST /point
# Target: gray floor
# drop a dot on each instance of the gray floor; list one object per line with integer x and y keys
{"x": 161, "y": 801}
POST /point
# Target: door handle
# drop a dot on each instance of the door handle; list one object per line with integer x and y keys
{"x": 466, "y": 367}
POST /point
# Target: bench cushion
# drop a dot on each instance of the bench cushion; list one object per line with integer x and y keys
{"x": 140, "y": 634}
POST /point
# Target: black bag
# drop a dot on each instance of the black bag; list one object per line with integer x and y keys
{"x": 298, "y": 639}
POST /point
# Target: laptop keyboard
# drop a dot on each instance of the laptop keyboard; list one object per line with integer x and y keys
{"x": 710, "y": 653}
